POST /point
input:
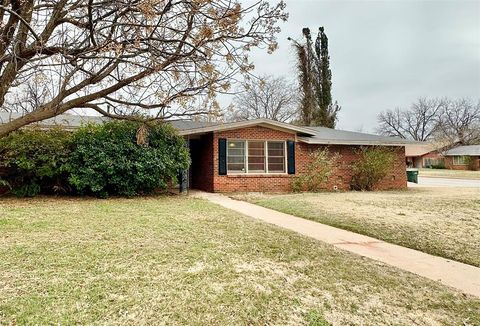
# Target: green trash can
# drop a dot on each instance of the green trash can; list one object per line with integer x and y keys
{"x": 412, "y": 175}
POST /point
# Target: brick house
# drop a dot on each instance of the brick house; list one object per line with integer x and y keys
{"x": 261, "y": 155}
{"x": 264, "y": 155}
{"x": 459, "y": 158}
{"x": 423, "y": 155}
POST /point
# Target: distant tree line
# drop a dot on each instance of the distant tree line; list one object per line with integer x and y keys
{"x": 449, "y": 121}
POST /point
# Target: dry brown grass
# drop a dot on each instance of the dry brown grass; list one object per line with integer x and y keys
{"x": 454, "y": 174}
{"x": 439, "y": 221}
{"x": 175, "y": 260}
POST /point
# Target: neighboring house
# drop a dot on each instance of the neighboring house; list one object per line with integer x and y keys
{"x": 458, "y": 158}
{"x": 423, "y": 155}
{"x": 264, "y": 155}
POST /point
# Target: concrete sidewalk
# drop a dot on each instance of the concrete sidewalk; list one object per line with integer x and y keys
{"x": 461, "y": 276}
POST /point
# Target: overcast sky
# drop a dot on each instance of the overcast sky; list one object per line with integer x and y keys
{"x": 386, "y": 54}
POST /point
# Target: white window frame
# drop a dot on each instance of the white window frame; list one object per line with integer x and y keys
{"x": 457, "y": 158}
{"x": 245, "y": 162}
{"x": 285, "y": 158}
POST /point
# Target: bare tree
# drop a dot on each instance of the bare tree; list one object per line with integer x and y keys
{"x": 268, "y": 97}
{"x": 417, "y": 123}
{"x": 459, "y": 122}
{"x": 158, "y": 57}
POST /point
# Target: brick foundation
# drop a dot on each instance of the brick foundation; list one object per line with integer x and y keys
{"x": 205, "y": 173}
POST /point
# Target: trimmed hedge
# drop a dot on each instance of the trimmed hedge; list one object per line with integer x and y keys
{"x": 99, "y": 160}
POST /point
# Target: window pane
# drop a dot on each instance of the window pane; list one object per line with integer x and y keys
{"x": 255, "y": 167}
{"x": 236, "y": 159}
{"x": 236, "y": 151}
{"x": 236, "y": 167}
{"x": 277, "y": 160}
{"x": 256, "y": 144}
{"x": 276, "y": 157}
{"x": 255, "y": 152}
{"x": 275, "y": 167}
{"x": 236, "y": 148}
{"x": 236, "y": 156}
{"x": 459, "y": 160}
{"x": 256, "y": 156}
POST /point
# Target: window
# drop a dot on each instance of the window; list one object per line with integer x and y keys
{"x": 255, "y": 156}
{"x": 432, "y": 162}
{"x": 236, "y": 156}
{"x": 276, "y": 156}
{"x": 459, "y": 160}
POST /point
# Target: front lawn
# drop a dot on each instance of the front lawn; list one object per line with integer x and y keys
{"x": 452, "y": 174}
{"x": 439, "y": 221}
{"x": 178, "y": 260}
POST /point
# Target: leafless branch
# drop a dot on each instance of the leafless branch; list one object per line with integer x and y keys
{"x": 158, "y": 58}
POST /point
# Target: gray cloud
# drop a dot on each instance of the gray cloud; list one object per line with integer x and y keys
{"x": 386, "y": 54}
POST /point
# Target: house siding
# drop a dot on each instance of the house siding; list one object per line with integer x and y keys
{"x": 396, "y": 178}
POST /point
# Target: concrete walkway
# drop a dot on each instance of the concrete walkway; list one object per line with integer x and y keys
{"x": 463, "y": 277}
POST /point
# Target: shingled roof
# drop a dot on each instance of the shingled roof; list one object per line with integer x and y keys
{"x": 310, "y": 135}
{"x": 468, "y": 150}
{"x": 342, "y": 137}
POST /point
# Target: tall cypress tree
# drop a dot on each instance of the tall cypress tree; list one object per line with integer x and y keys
{"x": 323, "y": 87}
{"x": 315, "y": 79}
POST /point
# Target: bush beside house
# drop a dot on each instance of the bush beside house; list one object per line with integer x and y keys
{"x": 315, "y": 178}
{"x": 33, "y": 161}
{"x": 98, "y": 160}
{"x": 371, "y": 167}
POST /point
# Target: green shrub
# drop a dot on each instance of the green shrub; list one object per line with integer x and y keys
{"x": 440, "y": 166}
{"x": 107, "y": 160}
{"x": 33, "y": 161}
{"x": 372, "y": 166}
{"x": 315, "y": 178}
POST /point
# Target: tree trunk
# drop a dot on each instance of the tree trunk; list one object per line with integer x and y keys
{"x": 34, "y": 116}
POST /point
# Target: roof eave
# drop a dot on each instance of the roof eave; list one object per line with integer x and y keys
{"x": 349, "y": 142}
{"x": 249, "y": 123}
{"x": 461, "y": 154}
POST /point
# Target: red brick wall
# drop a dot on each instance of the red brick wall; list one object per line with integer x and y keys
{"x": 259, "y": 182}
{"x": 396, "y": 179}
